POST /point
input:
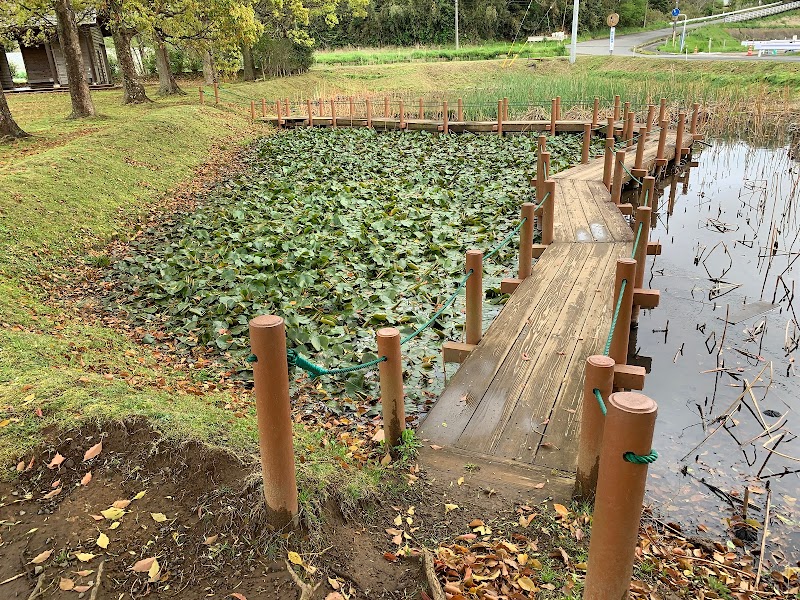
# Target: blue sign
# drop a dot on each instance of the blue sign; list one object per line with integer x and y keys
{"x": 676, "y": 12}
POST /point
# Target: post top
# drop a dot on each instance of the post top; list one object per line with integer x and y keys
{"x": 599, "y": 360}
{"x": 266, "y": 321}
{"x": 626, "y": 261}
{"x": 474, "y": 252}
{"x": 388, "y": 332}
{"x": 633, "y": 402}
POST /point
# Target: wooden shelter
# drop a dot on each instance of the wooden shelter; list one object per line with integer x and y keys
{"x": 45, "y": 64}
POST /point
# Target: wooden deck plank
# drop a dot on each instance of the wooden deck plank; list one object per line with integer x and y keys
{"x": 500, "y": 399}
{"x": 450, "y": 415}
{"x": 595, "y": 207}
{"x": 518, "y": 438}
{"x": 615, "y": 221}
{"x": 566, "y": 196}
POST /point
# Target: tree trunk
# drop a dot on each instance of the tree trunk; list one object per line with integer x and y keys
{"x": 249, "y": 63}
{"x": 209, "y": 74}
{"x": 166, "y": 81}
{"x": 8, "y": 127}
{"x": 133, "y": 90}
{"x": 82, "y": 105}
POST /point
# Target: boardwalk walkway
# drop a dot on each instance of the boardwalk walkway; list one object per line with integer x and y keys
{"x": 513, "y": 407}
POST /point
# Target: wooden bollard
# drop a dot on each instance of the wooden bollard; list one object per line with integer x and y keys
{"x": 500, "y": 118}
{"x": 608, "y": 162}
{"x": 473, "y": 328}
{"x": 540, "y": 178}
{"x": 629, "y": 427}
{"x": 320, "y": 107}
{"x": 421, "y": 110}
{"x": 558, "y": 108}
{"x": 643, "y": 216}
{"x": 445, "y": 118}
{"x": 599, "y": 376}
{"x": 587, "y": 142}
{"x": 646, "y": 196}
{"x": 616, "y": 108}
{"x": 310, "y": 113}
{"x": 386, "y": 107}
{"x": 278, "y": 112}
{"x": 695, "y": 116}
{"x": 616, "y": 188}
{"x": 662, "y": 144}
{"x": 352, "y": 110}
{"x": 287, "y": 107}
{"x": 651, "y": 111}
{"x": 541, "y": 143}
{"x": 630, "y": 116}
{"x": 626, "y": 271}
{"x": 548, "y": 212}
{"x": 526, "y": 241}
{"x": 460, "y": 113}
{"x": 253, "y": 111}
{"x": 391, "y": 384}
{"x": 333, "y": 113}
{"x": 402, "y": 116}
{"x": 273, "y": 413}
{"x": 505, "y": 110}
{"x": 264, "y": 107}
{"x": 216, "y": 93}
{"x": 368, "y": 109}
{"x": 202, "y": 99}
{"x": 610, "y": 127}
{"x": 662, "y": 110}
{"x": 596, "y": 112}
{"x": 553, "y": 116}
{"x": 679, "y": 136}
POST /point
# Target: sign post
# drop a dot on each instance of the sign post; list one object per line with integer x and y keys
{"x": 612, "y": 21}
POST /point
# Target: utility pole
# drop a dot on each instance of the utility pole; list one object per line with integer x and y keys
{"x": 573, "y": 50}
{"x": 456, "y": 24}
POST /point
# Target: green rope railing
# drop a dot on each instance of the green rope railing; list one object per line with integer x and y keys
{"x": 632, "y": 176}
{"x": 436, "y": 315}
{"x": 639, "y": 459}
{"x": 615, "y": 317}
{"x": 600, "y": 402}
{"x": 506, "y": 241}
{"x": 544, "y": 199}
{"x": 636, "y": 242}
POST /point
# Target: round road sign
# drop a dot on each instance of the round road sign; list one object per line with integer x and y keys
{"x": 676, "y": 12}
{"x": 612, "y": 19}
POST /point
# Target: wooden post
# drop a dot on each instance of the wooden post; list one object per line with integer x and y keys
{"x": 474, "y": 297}
{"x": 202, "y": 99}
{"x": 500, "y": 118}
{"x": 505, "y": 110}
{"x": 558, "y": 108}
{"x": 386, "y": 107}
{"x": 553, "y": 116}
{"x": 526, "y": 241}
{"x": 616, "y": 188}
{"x": 616, "y": 108}
{"x": 541, "y": 143}
{"x": 352, "y": 110}
{"x": 610, "y": 129}
{"x": 599, "y": 376}
{"x": 679, "y": 136}
{"x": 540, "y": 178}
{"x": 629, "y": 121}
{"x": 608, "y": 163}
{"x": 662, "y": 144}
{"x": 647, "y": 194}
{"x": 391, "y": 383}
{"x": 421, "y": 110}
{"x": 310, "y": 113}
{"x": 286, "y": 106}
{"x": 402, "y": 115}
{"x": 587, "y": 141}
{"x": 320, "y": 107}
{"x": 278, "y": 112}
{"x": 662, "y": 110}
{"x": 460, "y": 114}
{"x": 651, "y": 111}
{"x": 643, "y": 216}
{"x": 629, "y": 427}
{"x": 695, "y": 115}
{"x": 596, "y": 112}
{"x": 333, "y": 113}
{"x": 253, "y": 111}
{"x": 216, "y": 93}
{"x": 368, "y": 108}
{"x": 273, "y": 413}
{"x": 548, "y": 212}
{"x": 264, "y": 107}
{"x": 626, "y": 271}
{"x": 445, "y": 118}
{"x": 642, "y": 140}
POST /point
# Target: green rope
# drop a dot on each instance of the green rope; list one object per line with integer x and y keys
{"x": 505, "y": 242}
{"x": 636, "y": 243}
{"x": 436, "y": 315}
{"x": 295, "y": 360}
{"x": 647, "y": 197}
{"x": 541, "y": 204}
{"x": 600, "y": 402}
{"x": 638, "y": 459}
{"x": 616, "y": 316}
{"x": 636, "y": 179}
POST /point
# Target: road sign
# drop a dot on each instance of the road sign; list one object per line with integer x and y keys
{"x": 612, "y": 20}
{"x": 611, "y": 40}
{"x": 676, "y": 12}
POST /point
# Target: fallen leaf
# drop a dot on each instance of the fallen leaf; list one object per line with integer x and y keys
{"x": 66, "y": 584}
{"x": 334, "y": 596}
{"x": 40, "y": 558}
{"x": 57, "y": 460}
{"x": 526, "y": 584}
{"x": 143, "y": 566}
{"x": 539, "y": 486}
{"x": 112, "y": 513}
{"x": 84, "y": 573}
{"x": 96, "y": 517}
{"x": 379, "y": 436}
{"x": 390, "y": 556}
{"x": 210, "y": 539}
{"x": 334, "y": 583}
{"x": 84, "y": 556}
{"x": 238, "y": 596}
{"x": 435, "y": 447}
{"x": 139, "y": 496}
{"x": 86, "y": 478}
{"x": 460, "y": 481}
{"x": 561, "y": 509}
{"x": 102, "y": 540}
{"x": 449, "y": 507}
{"x": 154, "y": 571}
{"x": 114, "y": 525}
{"x": 121, "y": 504}
{"x": 158, "y": 517}
{"x": 386, "y": 460}
{"x": 82, "y": 588}
{"x": 21, "y": 466}
{"x": 295, "y": 558}
{"x": 49, "y": 495}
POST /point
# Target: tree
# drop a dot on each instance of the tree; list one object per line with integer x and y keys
{"x": 8, "y": 127}
{"x": 133, "y": 91}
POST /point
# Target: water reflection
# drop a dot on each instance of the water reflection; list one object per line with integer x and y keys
{"x": 721, "y": 347}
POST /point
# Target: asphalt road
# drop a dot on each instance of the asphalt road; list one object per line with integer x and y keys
{"x": 624, "y": 46}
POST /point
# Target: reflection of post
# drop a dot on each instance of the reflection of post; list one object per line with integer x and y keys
{"x": 673, "y": 190}
{"x": 685, "y": 179}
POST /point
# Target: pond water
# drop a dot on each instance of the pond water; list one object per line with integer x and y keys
{"x": 720, "y": 349}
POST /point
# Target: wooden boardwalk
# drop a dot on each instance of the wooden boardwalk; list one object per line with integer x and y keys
{"x": 513, "y": 408}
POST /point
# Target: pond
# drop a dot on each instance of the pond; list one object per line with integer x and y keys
{"x": 721, "y": 347}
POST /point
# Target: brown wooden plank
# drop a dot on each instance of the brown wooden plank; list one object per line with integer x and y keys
{"x": 488, "y": 424}
{"x": 519, "y": 436}
{"x": 614, "y": 220}
{"x": 596, "y": 210}
{"x": 563, "y": 228}
{"x": 459, "y": 400}
{"x": 574, "y": 197}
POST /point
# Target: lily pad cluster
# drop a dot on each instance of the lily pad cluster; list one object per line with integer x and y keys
{"x": 340, "y": 232}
